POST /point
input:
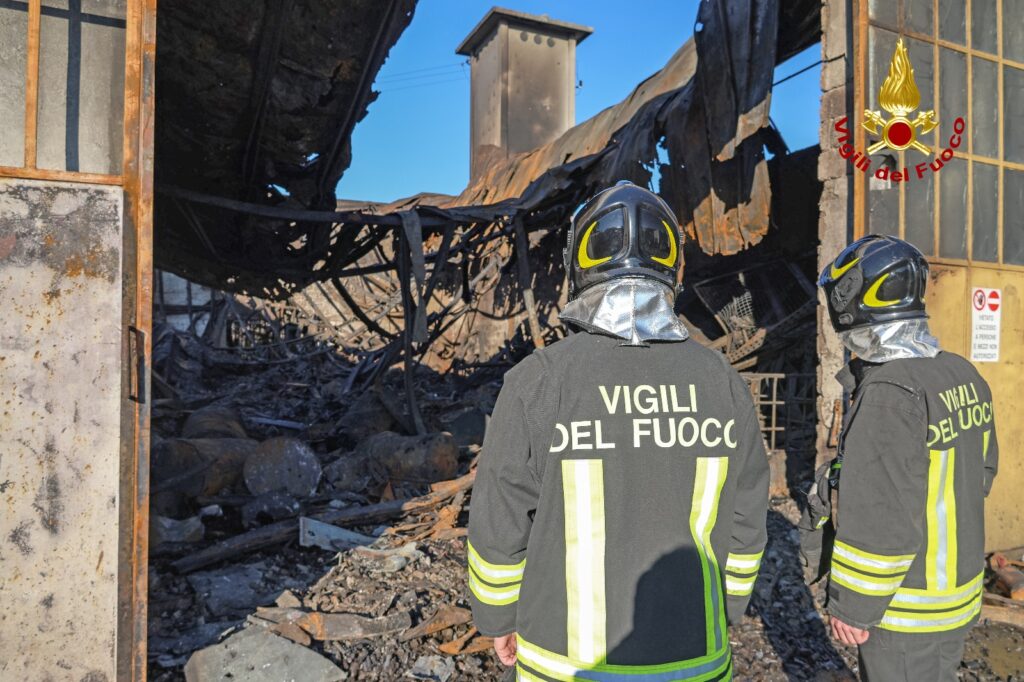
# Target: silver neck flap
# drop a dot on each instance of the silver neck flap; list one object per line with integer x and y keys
{"x": 892, "y": 341}
{"x": 635, "y": 309}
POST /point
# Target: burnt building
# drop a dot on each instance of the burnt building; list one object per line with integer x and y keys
{"x": 205, "y": 140}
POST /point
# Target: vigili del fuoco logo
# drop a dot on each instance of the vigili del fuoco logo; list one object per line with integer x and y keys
{"x": 899, "y": 97}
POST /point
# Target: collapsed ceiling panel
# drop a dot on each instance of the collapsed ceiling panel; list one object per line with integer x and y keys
{"x": 256, "y": 102}
{"x": 696, "y": 130}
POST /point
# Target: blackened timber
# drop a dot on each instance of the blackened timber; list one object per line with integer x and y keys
{"x": 404, "y": 265}
{"x": 523, "y": 263}
{"x": 358, "y": 311}
{"x": 282, "y": 531}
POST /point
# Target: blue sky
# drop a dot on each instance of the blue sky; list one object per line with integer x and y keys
{"x": 415, "y": 137}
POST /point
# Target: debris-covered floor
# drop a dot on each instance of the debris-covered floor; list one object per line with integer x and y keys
{"x": 234, "y": 594}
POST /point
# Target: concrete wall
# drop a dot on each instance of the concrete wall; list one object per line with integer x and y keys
{"x": 834, "y": 225}
{"x": 541, "y": 96}
{"x": 60, "y": 393}
{"x": 523, "y": 92}
{"x": 487, "y": 99}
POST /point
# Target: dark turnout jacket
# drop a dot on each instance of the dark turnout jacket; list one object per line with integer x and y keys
{"x": 619, "y": 511}
{"x": 919, "y": 454}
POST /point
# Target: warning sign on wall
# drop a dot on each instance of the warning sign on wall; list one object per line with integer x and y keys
{"x": 986, "y": 311}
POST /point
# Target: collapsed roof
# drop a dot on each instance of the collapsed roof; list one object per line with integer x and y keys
{"x": 269, "y": 96}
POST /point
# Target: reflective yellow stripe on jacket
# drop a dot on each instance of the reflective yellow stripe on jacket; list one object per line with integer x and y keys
{"x": 916, "y": 610}
{"x": 583, "y": 496}
{"x": 741, "y": 572}
{"x": 708, "y": 482}
{"x": 494, "y": 584}
{"x": 940, "y": 566}
{"x": 586, "y": 626}
{"x": 869, "y": 573}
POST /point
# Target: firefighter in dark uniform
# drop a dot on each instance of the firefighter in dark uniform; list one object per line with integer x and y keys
{"x": 917, "y": 456}
{"x": 618, "y": 515}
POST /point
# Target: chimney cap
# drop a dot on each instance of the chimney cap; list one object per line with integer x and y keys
{"x": 496, "y": 15}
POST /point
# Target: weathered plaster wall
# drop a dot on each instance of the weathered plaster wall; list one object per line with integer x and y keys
{"x": 834, "y": 219}
{"x": 60, "y": 350}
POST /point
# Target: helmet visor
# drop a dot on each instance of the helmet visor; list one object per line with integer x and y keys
{"x": 602, "y": 239}
{"x": 657, "y": 237}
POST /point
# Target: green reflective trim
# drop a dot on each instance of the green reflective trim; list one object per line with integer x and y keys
{"x": 708, "y": 482}
{"x": 562, "y": 668}
{"x": 583, "y": 498}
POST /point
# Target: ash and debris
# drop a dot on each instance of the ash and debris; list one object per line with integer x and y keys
{"x": 398, "y": 608}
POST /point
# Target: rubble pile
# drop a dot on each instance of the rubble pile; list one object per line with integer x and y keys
{"x": 304, "y": 530}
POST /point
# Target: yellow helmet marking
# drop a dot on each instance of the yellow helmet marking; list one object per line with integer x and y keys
{"x": 581, "y": 255}
{"x": 871, "y": 296}
{"x": 673, "y": 250}
{"x": 836, "y": 273}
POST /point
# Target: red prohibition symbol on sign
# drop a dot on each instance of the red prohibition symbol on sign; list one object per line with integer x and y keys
{"x": 993, "y": 300}
{"x": 979, "y": 299}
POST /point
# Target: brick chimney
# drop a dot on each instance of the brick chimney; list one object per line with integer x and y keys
{"x": 522, "y": 83}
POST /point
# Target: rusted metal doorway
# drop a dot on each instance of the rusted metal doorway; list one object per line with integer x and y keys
{"x": 76, "y": 160}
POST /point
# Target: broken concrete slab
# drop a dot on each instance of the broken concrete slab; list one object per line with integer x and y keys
{"x": 280, "y": 614}
{"x": 233, "y": 590}
{"x": 198, "y": 637}
{"x": 433, "y": 668}
{"x": 163, "y": 529}
{"x": 257, "y": 655}
{"x": 285, "y": 464}
{"x": 288, "y": 600}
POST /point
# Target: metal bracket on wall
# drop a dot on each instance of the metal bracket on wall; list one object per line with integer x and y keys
{"x": 137, "y": 362}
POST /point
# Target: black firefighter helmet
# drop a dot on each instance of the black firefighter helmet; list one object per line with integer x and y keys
{"x": 876, "y": 279}
{"x": 622, "y": 231}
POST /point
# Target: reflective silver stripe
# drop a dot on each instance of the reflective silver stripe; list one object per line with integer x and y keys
{"x": 737, "y": 565}
{"x": 739, "y": 587}
{"x": 486, "y": 592}
{"x": 941, "y": 537}
{"x": 887, "y": 586}
{"x": 583, "y": 491}
{"x": 491, "y": 572}
{"x": 908, "y": 596}
{"x": 868, "y": 562}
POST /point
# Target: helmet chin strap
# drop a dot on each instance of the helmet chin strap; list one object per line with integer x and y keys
{"x": 635, "y": 309}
